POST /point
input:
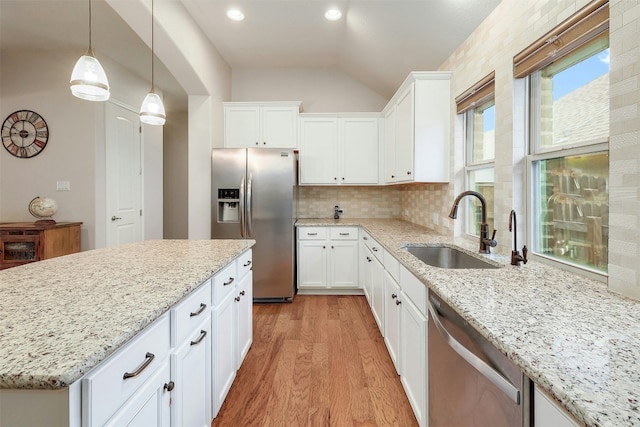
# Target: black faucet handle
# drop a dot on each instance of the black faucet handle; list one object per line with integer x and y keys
{"x": 524, "y": 253}
{"x": 493, "y": 242}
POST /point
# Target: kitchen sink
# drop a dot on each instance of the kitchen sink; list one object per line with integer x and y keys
{"x": 446, "y": 257}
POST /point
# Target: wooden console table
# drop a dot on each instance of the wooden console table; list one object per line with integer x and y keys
{"x": 24, "y": 242}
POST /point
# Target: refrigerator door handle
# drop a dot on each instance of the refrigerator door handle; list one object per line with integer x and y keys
{"x": 249, "y": 210}
{"x": 241, "y": 207}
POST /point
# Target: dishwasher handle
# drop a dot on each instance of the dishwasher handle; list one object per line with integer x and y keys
{"x": 480, "y": 365}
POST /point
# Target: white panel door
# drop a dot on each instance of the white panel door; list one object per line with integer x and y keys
{"x": 124, "y": 175}
{"x": 359, "y": 150}
{"x": 319, "y": 150}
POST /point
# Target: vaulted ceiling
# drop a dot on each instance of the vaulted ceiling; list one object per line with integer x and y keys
{"x": 377, "y": 42}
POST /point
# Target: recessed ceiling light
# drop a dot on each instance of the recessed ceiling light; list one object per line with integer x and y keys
{"x": 235, "y": 14}
{"x": 333, "y": 14}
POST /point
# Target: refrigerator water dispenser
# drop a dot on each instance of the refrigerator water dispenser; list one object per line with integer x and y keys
{"x": 228, "y": 201}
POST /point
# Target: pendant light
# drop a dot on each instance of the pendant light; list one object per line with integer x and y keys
{"x": 152, "y": 110}
{"x": 88, "y": 80}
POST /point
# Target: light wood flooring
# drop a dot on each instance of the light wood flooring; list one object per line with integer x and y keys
{"x": 319, "y": 361}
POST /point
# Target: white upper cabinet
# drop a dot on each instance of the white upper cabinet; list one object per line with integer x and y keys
{"x": 417, "y": 129}
{"x": 339, "y": 149}
{"x": 267, "y": 125}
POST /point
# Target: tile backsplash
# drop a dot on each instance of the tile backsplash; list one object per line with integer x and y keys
{"x": 422, "y": 204}
{"x": 355, "y": 202}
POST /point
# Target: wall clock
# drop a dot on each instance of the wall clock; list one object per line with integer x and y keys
{"x": 25, "y": 134}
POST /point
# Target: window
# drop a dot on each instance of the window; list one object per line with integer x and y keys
{"x": 569, "y": 157}
{"x": 478, "y": 106}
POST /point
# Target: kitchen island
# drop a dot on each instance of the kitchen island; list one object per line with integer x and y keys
{"x": 62, "y": 317}
{"x": 576, "y": 340}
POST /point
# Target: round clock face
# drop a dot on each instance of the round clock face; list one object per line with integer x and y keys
{"x": 24, "y": 134}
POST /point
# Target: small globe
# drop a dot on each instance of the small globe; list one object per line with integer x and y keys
{"x": 43, "y": 207}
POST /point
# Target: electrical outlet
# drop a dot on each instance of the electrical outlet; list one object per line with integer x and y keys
{"x": 63, "y": 186}
{"x": 435, "y": 217}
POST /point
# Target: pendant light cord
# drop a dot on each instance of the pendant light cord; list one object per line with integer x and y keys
{"x": 90, "y": 50}
{"x": 152, "y": 38}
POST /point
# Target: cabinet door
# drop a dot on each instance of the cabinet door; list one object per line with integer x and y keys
{"x": 359, "y": 151}
{"x": 343, "y": 266}
{"x": 413, "y": 355}
{"x": 390, "y": 174}
{"x": 223, "y": 350}
{"x": 404, "y": 137}
{"x": 241, "y": 126}
{"x": 191, "y": 372}
{"x": 377, "y": 291}
{"x": 547, "y": 413}
{"x": 319, "y": 150}
{"x": 150, "y": 405}
{"x": 392, "y": 316}
{"x": 279, "y": 127}
{"x": 366, "y": 267}
{"x": 312, "y": 264}
{"x": 244, "y": 315}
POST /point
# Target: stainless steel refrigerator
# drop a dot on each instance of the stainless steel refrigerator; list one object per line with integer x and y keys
{"x": 254, "y": 197}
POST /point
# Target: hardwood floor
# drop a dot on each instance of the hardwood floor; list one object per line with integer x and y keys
{"x": 319, "y": 361}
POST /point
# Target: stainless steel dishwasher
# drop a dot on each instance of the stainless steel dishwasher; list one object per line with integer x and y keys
{"x": 471, "y": 383}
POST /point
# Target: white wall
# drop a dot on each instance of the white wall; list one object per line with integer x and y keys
{"x": 206, "y": 77}
{"x": 176, "y": 178}
{"x": 75, "y": 149}
{"x": 320, "y": 89}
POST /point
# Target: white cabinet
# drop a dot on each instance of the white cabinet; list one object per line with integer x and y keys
{"x": 413, "y": 354}
{"x": 377, "y": 292}
{"x": 150, "y": 405}
{"x": 232, "y": 319}
{"x": 547, "y": 413}
{"x": 327, "y": 259}
{"x": 417, "y": 129}
{"x": 191, "y": 359}
{"x": 244, "y": 314}
{"x": 270, "y": 125}
{"x": 112, "y": 389}
{"x": 318, "y": 150}
{"x": 413, "y": 344}
{"x": 365, "y": 265}
{"x": 339, "y": 149}
{"x": 392, "y": 316}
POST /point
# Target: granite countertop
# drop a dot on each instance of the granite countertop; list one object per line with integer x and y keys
{"x": 61, "y": 317}
{"x": 575, "y": 339}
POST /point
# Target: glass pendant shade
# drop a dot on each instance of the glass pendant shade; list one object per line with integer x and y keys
{"x": 152, "y": 110}
{"x": 88, "y": 79}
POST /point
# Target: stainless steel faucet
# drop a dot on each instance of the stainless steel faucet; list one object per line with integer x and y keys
{"x": 516, "y": 258}
{"x": 336, "y": 212}
{"x": 486, "y": 243}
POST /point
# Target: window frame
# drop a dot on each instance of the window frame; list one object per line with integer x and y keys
{"x": 472, "y": 166}
{"x": 537, "y": 153}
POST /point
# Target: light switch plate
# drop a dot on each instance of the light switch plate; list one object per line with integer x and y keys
{"x": 63, "y": 186}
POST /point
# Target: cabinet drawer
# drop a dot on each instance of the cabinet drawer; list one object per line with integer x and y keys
{"x": 244, "y": 263}
{"x": 376, "y": 249}
{"x": 414, "y": 289}
{"x": 312, "y": 233}
{"x": 344, "y": 233}
{"x": 224, "y": 283}
{"x": 105, "y": 389}
{"x": 392, "y": 266}
{"x": 189, "y": 313}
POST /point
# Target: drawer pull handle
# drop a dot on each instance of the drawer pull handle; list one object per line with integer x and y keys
{"x": 242, "y": 293}
{"x": 246, "y": 264}
{"x": 200, "y": 338}
{"x": 199, "y": 312}
{"x": 231, "y": 279}
{"x": 312, "y": 234}
{"x": 169, "y": 386}
{"x": 365, "y": 238}
{"x": 237, "y": 299}
{"x": 398, "y": 302}
{"x": 374, "y": 249}
{"x": 368, "y": 259}
{"x": 394, "y": 296}
{"x": 148, "y": 359}
{"x": 344, "y": 234}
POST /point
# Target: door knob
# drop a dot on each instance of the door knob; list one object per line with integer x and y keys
{"x": 114, "y": 218}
